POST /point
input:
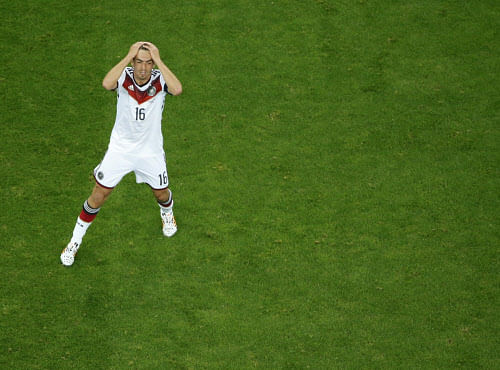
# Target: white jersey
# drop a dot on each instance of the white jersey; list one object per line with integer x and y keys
{"x": 139, "y": 109}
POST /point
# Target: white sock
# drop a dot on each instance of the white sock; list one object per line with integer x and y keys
{"x": 80, "y": 230}
{"x": 167, "y": 209}
{"x": 167, "y": 206}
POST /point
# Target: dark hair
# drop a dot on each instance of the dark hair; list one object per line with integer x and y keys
{"x": 143, "y": 47}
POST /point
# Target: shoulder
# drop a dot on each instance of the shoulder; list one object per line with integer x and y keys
{"x": 127, "y": 74}
{"x": 157, "y": 78}
{"x": 155, "y": 73}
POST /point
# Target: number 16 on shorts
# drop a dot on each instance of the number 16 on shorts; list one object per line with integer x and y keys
{"x": 163, "y": 178}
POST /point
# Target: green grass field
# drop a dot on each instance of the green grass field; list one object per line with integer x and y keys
{"x": 335, "y": 170}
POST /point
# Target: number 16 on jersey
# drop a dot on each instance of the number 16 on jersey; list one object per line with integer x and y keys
{"x": 140, "y": 114}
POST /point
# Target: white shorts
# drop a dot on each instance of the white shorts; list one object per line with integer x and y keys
{"x": 151, "y": 170}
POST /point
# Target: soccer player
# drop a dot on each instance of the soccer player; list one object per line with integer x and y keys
{"x": 136, "y": 142}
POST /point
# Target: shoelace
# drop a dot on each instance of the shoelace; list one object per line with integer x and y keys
{"x": 73, "y": 248}
{"x": 168, "y": 218}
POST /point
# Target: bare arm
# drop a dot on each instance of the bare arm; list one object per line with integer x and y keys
{"x": 173, "y": 83}
{"x": 111, "y": 80}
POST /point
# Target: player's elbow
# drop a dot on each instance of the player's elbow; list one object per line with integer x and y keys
{"x": 108, "y": 85}
{"x": 175, "y": 90}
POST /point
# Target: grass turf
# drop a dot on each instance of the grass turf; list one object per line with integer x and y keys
{"x": 335, "y": 173}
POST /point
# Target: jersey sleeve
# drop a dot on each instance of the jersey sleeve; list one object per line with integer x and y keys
{"x": 164, "y": 84}
{"x": 121, "y": 79}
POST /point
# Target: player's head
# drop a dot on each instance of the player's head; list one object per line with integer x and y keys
{"x": 143, "y": 65}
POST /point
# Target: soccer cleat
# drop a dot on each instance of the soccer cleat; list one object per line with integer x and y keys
{"x": 169, "y": 224}
{"x": 69, "y": 253}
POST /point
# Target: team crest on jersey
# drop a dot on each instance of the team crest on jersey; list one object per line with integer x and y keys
{"x": 131, "y": 87}
{"x": 152, "y": 91}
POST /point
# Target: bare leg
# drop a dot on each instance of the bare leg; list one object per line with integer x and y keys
{"x": 99, "y": 196}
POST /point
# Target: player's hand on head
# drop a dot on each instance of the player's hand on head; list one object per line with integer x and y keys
{"x": 134, "y": 49}
{"x": 155, "y": 53}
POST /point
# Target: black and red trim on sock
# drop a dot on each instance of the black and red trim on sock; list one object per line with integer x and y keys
{"x": 88, "y": 213}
